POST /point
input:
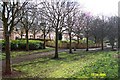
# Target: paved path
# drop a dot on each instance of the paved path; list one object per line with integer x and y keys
{"x": 41, "y": 54}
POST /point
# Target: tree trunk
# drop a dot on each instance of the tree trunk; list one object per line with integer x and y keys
{"x": 7, "y": 51}
{"x": 70, "y": 46}
{"x": 56, "y": 44}
{"x": 27, "y": 41}
{"x": 78, "y": 40}
{"x": 34, "y": 34}
{"x": 102, "y": 46}
{"x": 21, "y": 34}
{"x": 7, "y": 47}
{"x": 74, "y": 46}
{"x": 95, "y": 41}
{"x": 56, "y": 39}
{"x": 49, "y": 36}
{"x": 112, "y": 47}
{"x": 44, "y": 39}
{"x": 87, "y": 43}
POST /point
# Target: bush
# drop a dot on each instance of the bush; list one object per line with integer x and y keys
{"x": 14, "y": 44}
{"x": 33, "y": 45}
{"x": 21, "y": 44}
{"x": 65, "y": 44}
{"x": 2, "y": 43}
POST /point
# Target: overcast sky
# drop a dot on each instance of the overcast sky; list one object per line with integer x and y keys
{"x": 100, "y": 7}
{"x": 97, "y": 7}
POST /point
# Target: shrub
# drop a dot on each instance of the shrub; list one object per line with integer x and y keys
{"x": 65, "y": 41}
{"x": 21, "y": 44}
{"x": 50, "y": 43}
{"x": 2, "y": 43}
{"x": 14, "y": 44}
{"x": 33, "y": 45}
{"x": 65, "y": 44}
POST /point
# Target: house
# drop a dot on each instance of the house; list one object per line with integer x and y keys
{"x": 16, "y": 34}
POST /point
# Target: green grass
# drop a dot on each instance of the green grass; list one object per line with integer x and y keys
{"x": 15, "y": 54}
{"x": 77, "y": 65}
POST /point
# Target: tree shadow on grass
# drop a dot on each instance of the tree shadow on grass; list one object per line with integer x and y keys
{"x": 13, "y": 75}
{"x": 32, "y": 62}
{"x": 82, "y": 54}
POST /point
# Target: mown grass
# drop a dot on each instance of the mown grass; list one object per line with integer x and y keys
{"x": 78, "y": 65}
{"x": 15, "y": 54}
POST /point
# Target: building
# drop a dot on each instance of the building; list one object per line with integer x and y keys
{"x": 16, "y": 35}
{"x": 1, "y": 30}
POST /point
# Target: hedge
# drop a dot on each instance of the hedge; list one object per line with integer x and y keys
{"x": 65, "y": 44}
{"x": 21, "y": 44}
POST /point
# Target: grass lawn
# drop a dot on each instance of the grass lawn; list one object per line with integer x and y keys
{"x": 21, "y": 53}
{"x": 78, "y": 65}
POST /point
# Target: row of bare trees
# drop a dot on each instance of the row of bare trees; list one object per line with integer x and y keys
{"x": 57, "y": 16}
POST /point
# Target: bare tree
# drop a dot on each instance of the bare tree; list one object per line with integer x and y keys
{"x": 10, "y": 17}
{"x": 45, "y": 28}
{"x": 79, "y": 26}
{"x": 99, "y": 30}
{"x": 44, "y": 25}
{"x": 95, "y": 29}
{"x": 72, "y": 10}
{"x": 35, "y": 27}
{"x": 28, "y": 20}
{"x": 19, "y": 30}
{"x": 112, "y": 33}
{"x": 103, "y": 31}
{"x": 55, "y": 12}
{"x": 86, "y": 28}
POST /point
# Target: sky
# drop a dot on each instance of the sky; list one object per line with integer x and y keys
{"x": 97, "y": 7}
{"x": 100, "y": 7}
